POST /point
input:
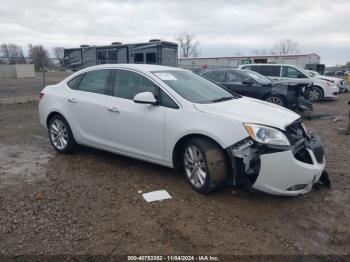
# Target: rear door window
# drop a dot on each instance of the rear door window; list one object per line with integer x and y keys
{"x": 269, "y": 70}
{"x": 73, "y": 83}
{"x": 234, "y": 77}
{"x": 216, "y": 76}
{"x": 94, "y": 81}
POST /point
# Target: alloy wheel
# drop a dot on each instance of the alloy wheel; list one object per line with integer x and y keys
{"x": 195, "y": 166}
{"x": 59, "y": 134}
{"x": 314, "y": 94}
{"x": 275, "y": 100}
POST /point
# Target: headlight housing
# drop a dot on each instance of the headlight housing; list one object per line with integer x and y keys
{"x": 266, "y": 135}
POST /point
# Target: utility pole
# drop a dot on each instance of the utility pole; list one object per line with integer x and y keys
{"x": 348, "y": 128}
{"x": 43, "y": 68}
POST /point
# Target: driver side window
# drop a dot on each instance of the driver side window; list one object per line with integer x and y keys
{"x": 233, "y": 77}
{"x": 291, "y": 72}
{"x": 216, "y": 76}
{"x": 128, "y": 83}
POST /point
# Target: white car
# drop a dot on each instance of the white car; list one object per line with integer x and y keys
{"x": 339, "y": 82}
{"x": 173, "y": 117}
{"x": 317, "y": 90}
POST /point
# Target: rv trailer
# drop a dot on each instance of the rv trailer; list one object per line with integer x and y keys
{"x": 153, "y": 52}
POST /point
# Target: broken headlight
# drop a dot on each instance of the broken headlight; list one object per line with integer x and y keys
{"x": 266, "y": 135}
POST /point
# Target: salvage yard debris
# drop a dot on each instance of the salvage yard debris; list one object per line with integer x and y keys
{"x": 158, "y": 195}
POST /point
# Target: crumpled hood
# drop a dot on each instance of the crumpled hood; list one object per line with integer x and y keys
{"x": 251, "y": 110}
{"x": 329, "y": 78}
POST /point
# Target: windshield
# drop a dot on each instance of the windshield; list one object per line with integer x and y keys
{"x": 194, "y": 88}
{"x": 258, "y": 77}
{"x": 302, "y": 70}
{"x": 312, "y": 73}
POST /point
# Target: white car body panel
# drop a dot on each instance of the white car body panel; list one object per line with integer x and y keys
{"x": 262, "y": 111}
{"x": 150, "y": 133}
{"x": 285, "y": 172}
{"x": 329, "y": 89}
{"x": 135, "y": 128}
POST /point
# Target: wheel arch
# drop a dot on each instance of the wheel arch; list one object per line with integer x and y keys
{"x": 179, "y": 146}
{"x": 51, "y": 115}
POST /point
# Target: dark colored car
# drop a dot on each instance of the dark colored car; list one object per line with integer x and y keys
{"x": 255, "y": 85}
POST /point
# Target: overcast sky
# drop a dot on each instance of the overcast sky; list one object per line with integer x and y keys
{"x": 222, "y": 27}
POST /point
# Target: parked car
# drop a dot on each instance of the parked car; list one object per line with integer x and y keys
{"x": 253, "y": 84}
{"x": 339, "y": 73}
{"x": 339, "y": 82}
{"x": 176, "y": 118}
{"x": 317, "y": 90}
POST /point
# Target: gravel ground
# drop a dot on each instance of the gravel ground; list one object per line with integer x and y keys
{"x": 89, "y": 202}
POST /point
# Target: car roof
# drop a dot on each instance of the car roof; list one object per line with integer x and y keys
{"x": 140, "y": 67}
{"x": 223, "y": 69}
{"x": 267, "y": 65}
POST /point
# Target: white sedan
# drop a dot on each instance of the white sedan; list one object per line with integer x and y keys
{"x": 178, "y": 119}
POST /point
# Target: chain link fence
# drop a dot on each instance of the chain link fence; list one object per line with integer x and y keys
{"x": 22, "y": 78}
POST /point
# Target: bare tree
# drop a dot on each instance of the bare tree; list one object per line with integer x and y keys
{"x": 58, "y": 53}
{"x": 39, "y": 56}
{"x": 285, "y": 46}
{"x": 261, "y": 51}
{"x": 13, "y": 52}
{"x": 188, "y": 46}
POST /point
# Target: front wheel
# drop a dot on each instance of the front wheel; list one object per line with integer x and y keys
{"x": 314, "y": 94}
{"x": 276, "y": 99}
{"x": 205, "y": 165}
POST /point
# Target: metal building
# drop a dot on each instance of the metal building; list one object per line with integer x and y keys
{"x": 199, "y": 63}
{"x": 152, "y": 52}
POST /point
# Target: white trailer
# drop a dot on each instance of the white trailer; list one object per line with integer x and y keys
{"x": 199, "y": 63}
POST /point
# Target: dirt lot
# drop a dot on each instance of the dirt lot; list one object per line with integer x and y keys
{"x": 88, "y": 202}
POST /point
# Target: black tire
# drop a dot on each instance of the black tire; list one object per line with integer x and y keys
{"x": 314, "y": 94}
{"x": 68, "y": 135}
{"x": 276, "y": 99}
{"x": 214, "y": 164}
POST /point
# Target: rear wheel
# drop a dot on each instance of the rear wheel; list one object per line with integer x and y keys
{"x": 205, "y": 165}
{"x": 276, "y": 99}
{"x": 314, "y": 94}
{"x": 60, "y": 135}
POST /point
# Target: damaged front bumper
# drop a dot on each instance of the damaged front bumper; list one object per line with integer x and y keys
{"x": 276, "y": 170}
{"x": 282, "y": 174}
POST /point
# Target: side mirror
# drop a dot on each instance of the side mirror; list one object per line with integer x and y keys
{"x": 246, "y": 82}
{"x": 145, "y": 98}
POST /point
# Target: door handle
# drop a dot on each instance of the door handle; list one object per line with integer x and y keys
{"x": 72, "y": 100}
{"x": 113, "y": 109}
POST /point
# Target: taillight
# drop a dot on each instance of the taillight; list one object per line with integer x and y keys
{"x": 41, "y": 95}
